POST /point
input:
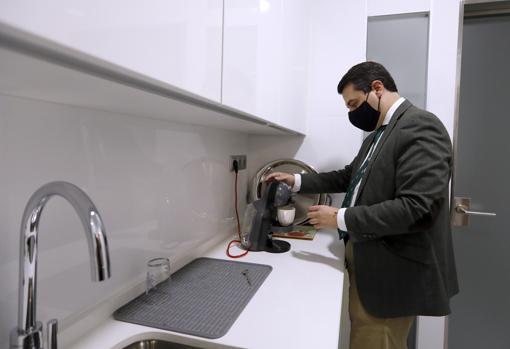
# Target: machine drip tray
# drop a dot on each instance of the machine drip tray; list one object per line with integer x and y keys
{"x": 281, "y": 229}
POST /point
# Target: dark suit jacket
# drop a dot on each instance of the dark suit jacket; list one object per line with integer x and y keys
{"x": 400, "y": 225}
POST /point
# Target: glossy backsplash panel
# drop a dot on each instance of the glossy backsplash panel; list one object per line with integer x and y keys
{"x": 162, "y": 188}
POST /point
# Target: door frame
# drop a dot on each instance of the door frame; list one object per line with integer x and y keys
{"x": 499, "y": 7}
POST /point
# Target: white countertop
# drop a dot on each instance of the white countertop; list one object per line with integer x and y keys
{"x": 297, "y": 306}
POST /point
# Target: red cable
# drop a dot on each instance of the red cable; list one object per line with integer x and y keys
{"x": 238, "y": 228}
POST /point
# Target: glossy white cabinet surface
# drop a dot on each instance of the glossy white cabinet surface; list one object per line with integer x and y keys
{"x": 178, "y": 41}
{"x": 264, "y": 59}
{"x": 295, "y": 46}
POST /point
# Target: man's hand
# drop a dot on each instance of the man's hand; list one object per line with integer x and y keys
{"x": 322, "y": 216}
{"x": 281, "y": 177}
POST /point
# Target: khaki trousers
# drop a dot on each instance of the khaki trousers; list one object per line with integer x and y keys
{"x": 367, "y": 331}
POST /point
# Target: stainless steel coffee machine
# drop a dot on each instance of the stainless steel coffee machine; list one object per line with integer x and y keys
{"x": 260, "y": 220}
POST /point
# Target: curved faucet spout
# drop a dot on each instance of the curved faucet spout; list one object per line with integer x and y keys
{"x": 94, "y": 231}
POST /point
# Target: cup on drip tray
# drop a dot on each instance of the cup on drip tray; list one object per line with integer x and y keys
{"x": 286, "y": 215}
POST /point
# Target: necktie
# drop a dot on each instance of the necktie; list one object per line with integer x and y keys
{"x": 356, "y": 179}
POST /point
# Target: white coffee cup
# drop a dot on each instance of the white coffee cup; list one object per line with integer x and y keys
{"x": 286, "y": 215}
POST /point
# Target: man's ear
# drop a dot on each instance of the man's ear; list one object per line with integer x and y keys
{"x": 378, "y": 87}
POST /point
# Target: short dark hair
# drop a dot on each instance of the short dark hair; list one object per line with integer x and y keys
{"x": 363, "y": 74}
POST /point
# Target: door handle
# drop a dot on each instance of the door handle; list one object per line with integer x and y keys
{"x": 461, "y": 212}
{"x": 463, "y": 209}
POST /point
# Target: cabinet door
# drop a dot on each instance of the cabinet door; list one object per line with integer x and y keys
{"x": 264, "y": 59}
{"x": 294, "y": 64}
{"x": 251, "y": 57}
{"x": 178, "y": 42}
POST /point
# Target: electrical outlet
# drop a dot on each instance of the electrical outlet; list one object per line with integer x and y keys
{"x": 241, "y": 162}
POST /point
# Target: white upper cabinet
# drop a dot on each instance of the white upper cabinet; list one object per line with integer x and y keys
{"x": 295, "y": 47}
{"x": 265, "y": 58}
{"x": 178, "y": 42}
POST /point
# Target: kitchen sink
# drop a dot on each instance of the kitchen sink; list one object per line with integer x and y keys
{"x": 157, "y": 344}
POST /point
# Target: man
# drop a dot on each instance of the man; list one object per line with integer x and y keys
{"x": 395, "y": 217}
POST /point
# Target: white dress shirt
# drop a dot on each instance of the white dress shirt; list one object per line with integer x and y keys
{"x": 340, "y": 219}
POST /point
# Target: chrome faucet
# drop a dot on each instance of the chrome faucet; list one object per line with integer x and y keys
{"x": 28, "y": 334}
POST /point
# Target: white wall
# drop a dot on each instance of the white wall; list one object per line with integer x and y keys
{"x": 162, "y": 188}
{"x": 442, "y": 74}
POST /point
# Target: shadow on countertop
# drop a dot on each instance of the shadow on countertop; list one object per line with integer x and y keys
{"x": 336, "y": 247}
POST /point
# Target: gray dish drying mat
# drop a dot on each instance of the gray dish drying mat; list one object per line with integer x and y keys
{"x": 204, "y": 298}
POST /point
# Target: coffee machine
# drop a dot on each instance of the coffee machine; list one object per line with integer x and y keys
{"x": 260, "y": 220}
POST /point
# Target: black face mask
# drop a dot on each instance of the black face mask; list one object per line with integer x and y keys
{"x": 365, "y": 117}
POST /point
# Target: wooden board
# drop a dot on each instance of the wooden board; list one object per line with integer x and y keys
{"x": 302, "y": 232}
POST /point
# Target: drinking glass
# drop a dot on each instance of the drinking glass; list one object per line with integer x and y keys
{"x": 158, "y": 270}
